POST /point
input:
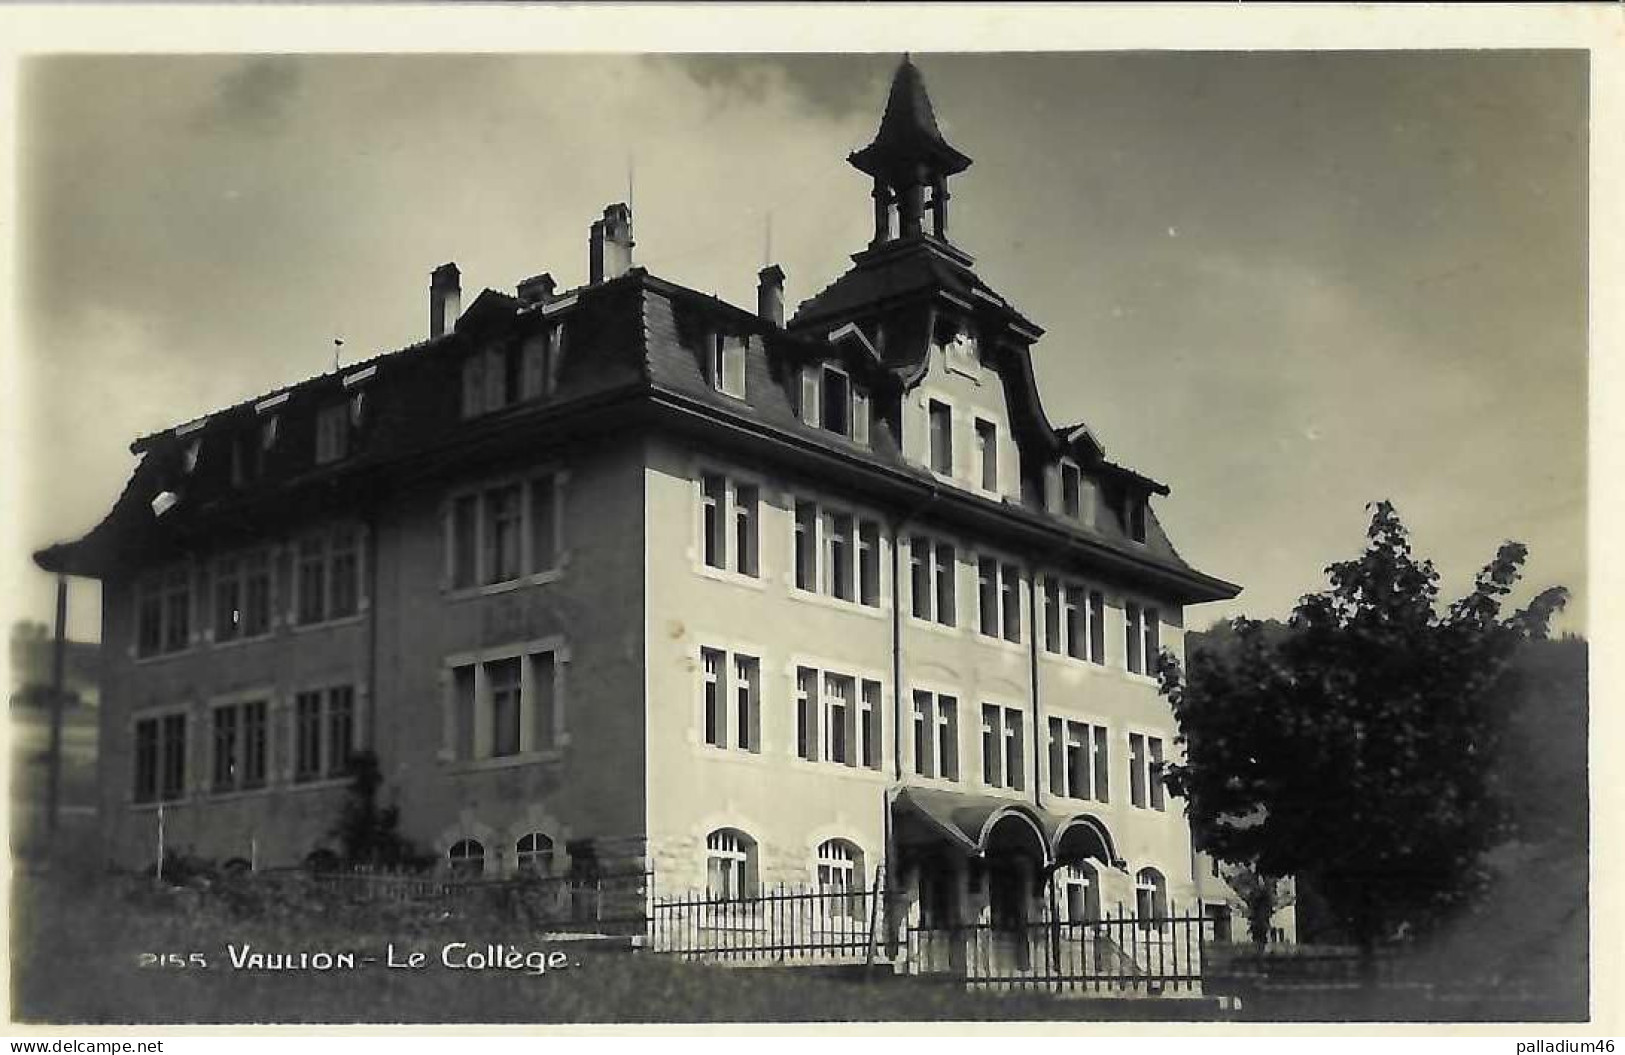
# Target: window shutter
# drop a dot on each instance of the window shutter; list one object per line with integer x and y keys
{"x": 533, "y": 383}
{"x": 1052, "y": 488}
{"x": 860, "y": 417}
{"x": 733, "y": 362}
{"x": 809, "y": 394}
{"x": 473, "y": 384}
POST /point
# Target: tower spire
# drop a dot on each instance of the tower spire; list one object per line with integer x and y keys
{"x": 908, "y": 157}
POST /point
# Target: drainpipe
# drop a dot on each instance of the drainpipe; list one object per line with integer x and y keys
{"x": 1039, "y": 731}
{"x": 58, "y": 663}
{"x": 372, "y": 553}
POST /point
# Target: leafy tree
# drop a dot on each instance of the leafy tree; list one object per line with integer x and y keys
{"x": 1262, "y": 896}
{"x": 367, "y": 832}
{"x": 1354, "y": 750}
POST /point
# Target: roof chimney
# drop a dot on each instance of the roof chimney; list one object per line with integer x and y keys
{"x": 770, "y": 294}
{"x": 538, "y": 289}
{"x": 610, "y": 245}
{"x": 445, "y": 298}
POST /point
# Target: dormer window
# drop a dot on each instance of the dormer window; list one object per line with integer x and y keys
{"x": 940, "y": 420}
{"x": 832, "y": 402}
{"x": 332, "y": 433}
{"x": 1134, "y": 517}
{"x": 511, "y": 373}
{"x": 727, "y": 365}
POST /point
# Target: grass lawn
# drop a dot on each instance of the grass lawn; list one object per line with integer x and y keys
{"x": 77, "y": 945}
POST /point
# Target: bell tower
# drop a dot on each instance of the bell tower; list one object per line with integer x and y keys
{"x": 908, "y": 160}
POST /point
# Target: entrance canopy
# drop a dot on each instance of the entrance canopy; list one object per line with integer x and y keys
{"x": 977, "y": 824}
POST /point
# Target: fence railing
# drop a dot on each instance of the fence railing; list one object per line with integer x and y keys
{"x": 778, "y": 925}
{"x": 1121, "y": 955}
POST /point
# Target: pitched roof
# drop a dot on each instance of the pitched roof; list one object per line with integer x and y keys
{"x": 908, "y": 135}
{"x": 898, "y": 271}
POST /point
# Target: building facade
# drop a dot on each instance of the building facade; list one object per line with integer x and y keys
{"x": 625, "y": 573}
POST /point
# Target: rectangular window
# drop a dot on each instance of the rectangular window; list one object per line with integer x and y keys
{"x": 838, "y": 558}
{"x": 1154, "y": 767}
{"x": 328, "y": 582}
{"x": 1103, "y": 764}
{"x": 332, "y": 433}
{"x": 1136, "y": 770}
{"x": 1015, "y": 770}
{"x": 340, "y": 742}
{"x": 324, "y": 733}
{"x": 1011, "y": 591}
{"x": 924, "y": 733}
{"x": 1057, "y": 757}
{"x": 1131, "y": 638}
{"x": 807, "y": 713}
{"x": 837, "y": 402}
{"x": 940, "y": 418}
{"x": 947, "y": 572}
{"x": 502, "y": 678}
{"x": 987, "y": 453}
{"x": 806, "y": 545}
{"x": 544, "y": 701}
{"x": 987, "y": 592}
{"x": 1078, "y": 769}
{"x": 1153, "y": 638}
{"x": 1136, "y": 517}
{"x": 160, "y": 758}
{"x": 838, "y": 718}
{"x": 503, "y": 518}
{"x": 745, "y": 531}
{"x": 177, "y": 606}
{"x": 869, "y": 710}
{"x": 256, "y": 570}
{"x": 948, "y": 737}
{"x": 501, "y": 533}
{"x": 163, "y": 611}
{"x": 228, "y": 600}
{"x": 172, "y": 756}
{"x": 728, "y": 365}
{"x": 504, "y": 707}
{"x": 919, "y": 567}
{"x": 869, "y": 563}
{"x": 1097, "y": 627}
{"x": 312, "y": 581}
{"x": 714, "y": 498}
{"x": 715, "y": 697}
{"x": 1076, "y": 632}
{"x": 1052, "y": 615}
{"x": 1071, "y": 490}
{"x": 747, "y": 703}
{"x": 992, "y": 746}
{"x": 344, "y": 575}
{"x": 239, "y": 746}
{"x": 936, "y": 735}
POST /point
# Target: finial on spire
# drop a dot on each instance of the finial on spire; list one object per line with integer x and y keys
{"x": 909, "y": 155}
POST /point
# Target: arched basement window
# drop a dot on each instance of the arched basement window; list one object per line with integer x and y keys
{"x": 467, "y": 859}
{"x": 1150, "y": 898}
{"x": 533, "y": 854}
{"x": 730, "y": 864}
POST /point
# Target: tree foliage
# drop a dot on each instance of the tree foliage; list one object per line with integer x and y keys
{"x": 1355, "y": 749}
{"x": 369, "y": 834}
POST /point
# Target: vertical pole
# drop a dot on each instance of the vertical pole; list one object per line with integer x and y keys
{"x": 53, "y": 780}
{"x": 160, "y": 842}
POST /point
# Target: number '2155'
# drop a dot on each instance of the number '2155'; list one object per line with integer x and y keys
{"x": 172, "y": 959}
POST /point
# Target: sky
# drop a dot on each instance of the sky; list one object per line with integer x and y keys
{"x": 1286, "y": 284}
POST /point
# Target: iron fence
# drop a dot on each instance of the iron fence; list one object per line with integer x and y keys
{"x": 779, "y": 925}
{"x": 1117, "y": 955}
